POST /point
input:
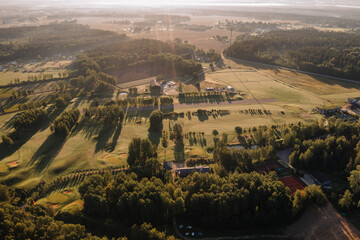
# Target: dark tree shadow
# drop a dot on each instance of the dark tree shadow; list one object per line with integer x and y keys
{"x": 154, "y": 136}
{"x": 104, "y": 135}
{"x": 46, "y": 153}
{"x": 77, "y": 103}
{"x": 10, "y": 103}
{"x": 167, "y": 108}
{"x": 179, "y": 152}
{"x": 21, "y": 138}
{"x": 53, "y": 113}
{"x": 116, "y": 135}
{"x": 88, "y": 129}
{"x": 204, "y": 143}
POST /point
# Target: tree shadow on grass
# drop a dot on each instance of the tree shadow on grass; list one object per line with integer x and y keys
{"x": 154, "y": 137}
{"x": 167, "y": 108}
{"x": 10, "y": 103}
{"x": 116, "y": 135}
{"x": 87, "y": 128}
{"x": 21, "y": 138}
{"x": 46, "y": 153}
{"x": 104, "y": 135}
{"x": 53, "y": 113}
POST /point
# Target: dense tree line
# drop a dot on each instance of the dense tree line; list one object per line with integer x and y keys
{"x": 235, "y": 202}
{"x": 166, "y": 101}
{"x": 65, "y": 122}
{"x": 32, "y": 222}
{"x": 109, "y": 114}
{"x": 210, "y": 56}
{"x": 147, "y": 232}
{"x": 155, "y": 57}
{"x": 24, "y": 123}
{"x": 333, "y": 53}
{"x": 247, "y": 27}
{"x": 140, "y": 150}
{"x": 33, "y": 105}
{"x": 338, "y": 151}
{"x": 51, "y": 39}
{"x": 200, "y": 97}
{"x": 330, "y": 153}
{"x": 241, "y": 160}
{"x": 93, "y": 80}
{"x": 28, "y": 120}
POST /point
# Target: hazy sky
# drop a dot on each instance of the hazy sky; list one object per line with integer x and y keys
{"x": 156, "y": 3}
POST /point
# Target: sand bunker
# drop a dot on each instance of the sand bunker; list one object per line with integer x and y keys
{"x": 13, "y": 164}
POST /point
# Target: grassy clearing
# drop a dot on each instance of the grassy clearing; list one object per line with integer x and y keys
{"x": 5, "y": 92}
{"x": 57, "y": 201}
{"x": 324, "y": 90}
{"x": 254, "y": 83}
{"x": 9, "y": 76}
{"x": 32, "y": 68}
{"x": 3, "y": 168}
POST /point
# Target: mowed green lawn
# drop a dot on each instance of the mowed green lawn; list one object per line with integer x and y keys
{"x": 44, "y": 157}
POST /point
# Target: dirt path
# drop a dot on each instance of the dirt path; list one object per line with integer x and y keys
{"x": 322, "y": 223}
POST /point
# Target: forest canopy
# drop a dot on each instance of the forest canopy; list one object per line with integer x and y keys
{"x": 332, "y": 53}
{"x": 151, "y": 56}
{"x": 48, "y": 40}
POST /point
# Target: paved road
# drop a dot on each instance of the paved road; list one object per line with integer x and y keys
{"x": 284, "y": 154}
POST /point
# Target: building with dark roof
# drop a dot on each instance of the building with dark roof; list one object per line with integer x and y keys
{"x": 155, "y": 86}
{"x": 321, "y": 179}
{"x": 183, "y": 172}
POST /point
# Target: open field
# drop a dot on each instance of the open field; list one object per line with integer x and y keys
{"x": 85, "y": 148}
{"x": 201, "y": 39}
{"x": 61, "y": 201}
{"x": 322, "y": 224}
{"x": 9, "y": 76}
{"x": 288, "y": 96}
{"x": 300, "y": 88}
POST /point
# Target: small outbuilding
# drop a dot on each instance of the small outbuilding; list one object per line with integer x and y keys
{"x": 230, "y": 89}
{"x": 155, "y": 86}
{"x": 321, "y": 179}
{"x": 183, "y": 172}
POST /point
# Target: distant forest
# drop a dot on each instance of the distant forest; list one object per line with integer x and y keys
{"x": 154, "y": 57}
{"x": 332, "y": 53}
{"x": 48, "y": 40}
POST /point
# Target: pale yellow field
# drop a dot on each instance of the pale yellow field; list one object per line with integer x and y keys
{"x": 299, "y": 88}
{"x": 8, "y": 77}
